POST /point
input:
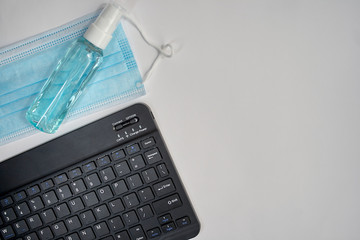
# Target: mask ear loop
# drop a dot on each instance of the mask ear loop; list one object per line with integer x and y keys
{"x": 164, "y": 50}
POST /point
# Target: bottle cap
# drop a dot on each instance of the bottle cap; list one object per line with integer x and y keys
{"x": 100, "y": 32}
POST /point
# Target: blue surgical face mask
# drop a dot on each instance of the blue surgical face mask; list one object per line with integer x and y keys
{"x": 25, "y": 66}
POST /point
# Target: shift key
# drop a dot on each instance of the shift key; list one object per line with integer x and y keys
{"x": 167, "y": 204}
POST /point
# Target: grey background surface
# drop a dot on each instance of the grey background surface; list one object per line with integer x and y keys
{"x": 259, "y": 107}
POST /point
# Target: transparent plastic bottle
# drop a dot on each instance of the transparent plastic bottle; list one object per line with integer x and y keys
{"x": 64, "y": 85}
{"x": 73, "y": 72}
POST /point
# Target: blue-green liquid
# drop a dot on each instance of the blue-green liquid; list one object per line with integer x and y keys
{"x": 64, "y": 86}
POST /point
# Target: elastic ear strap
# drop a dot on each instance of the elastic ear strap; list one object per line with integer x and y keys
{"x": 164, "y": 50}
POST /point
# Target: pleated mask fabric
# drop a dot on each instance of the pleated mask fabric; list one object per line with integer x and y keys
{"x": 26, "y": 65}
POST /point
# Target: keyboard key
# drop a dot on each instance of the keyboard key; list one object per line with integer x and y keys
{"x": 36, "y": 204}
{"x": 167, "y": 204}
{"x": 92, "y": 180}
{"x": 22, "y": 209}
{"x": 50, "y": 198}
{"x": 116, "y": 206}
{"x": 163, "y": 170}
{"x": 182, "y": 222}
{"x": 103, "y": 161}
{"x": 146, "y": 194}
{"x": 59, "y": 228}
{"x": 116, "y": 224}
{"x": 101, "y": 212}
{"x": 73, "y": 236}
{"x": 31, "y": 236}
{"x": 150, "y": 175}
{"x": 87, "y": 217}
{"x": 21, "y": 227}
{"x": 153, "y": 233}
{"x": 130, "y": 218}
{"x": 101, "y": 229}
{"x": 76, "y": 205}
{"x": 107, "y": 174}
{"x": 153, "y": 156}
{"x": 61, "y": 179}
{"x": 78, "y": 186}
{"x": 122, "y": 168}
{"x": 131, "y": 200}
{"x": 6, "y": 201}
{"x": 45, "y": 234}
{"x": 164, "y": 187}
{"x": 122, "y": 236}
{"x": 145, "y": 212}
{"x": 105, "y": 193}
{"x": 90, "y": 199}
{"x": 164, "y": 219}
{"x": 89, "y": 167}
{"x": 148, "y": 142}
{"x": 64, "y": 192}
{"x": 20, "y": 196}
{"x": 120, "y": 187}
{"x": 168, "y": 227}
{"x": 134, "y": 181}
{"x": 73, "y": 223}
{"x": 75, "y": 173}
{"x": 34, "y": 221}
{"x": 117, "y": 155}
{"x": 8, "y": 215}
{"x": 48, "y": 216}
{"x": 133, "y": 149}
{"x": 33, "y": 190}
{"x": 62, "y": 210}
{"x": 137, "y": 233}
{"x": 87, "y": 234}
{"x": 7, "y": 232}
{"x": 137, "y": 162}
{"x": 47, "y": 184}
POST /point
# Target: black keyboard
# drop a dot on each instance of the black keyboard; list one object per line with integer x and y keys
{"x": 112, "y": 179}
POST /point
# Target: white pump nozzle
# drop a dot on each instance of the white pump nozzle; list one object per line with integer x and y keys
{"x": 100, "y": 32}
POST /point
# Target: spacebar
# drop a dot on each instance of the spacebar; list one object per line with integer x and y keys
{"x": 167, "y": 204}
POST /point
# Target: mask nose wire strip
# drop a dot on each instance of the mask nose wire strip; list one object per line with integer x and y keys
{"x": 164, "y": 50}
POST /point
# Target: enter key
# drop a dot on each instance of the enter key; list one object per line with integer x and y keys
{"x": 164, "y": 187}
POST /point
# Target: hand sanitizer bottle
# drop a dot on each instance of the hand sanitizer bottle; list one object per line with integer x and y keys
{"x": 73, "y": 72}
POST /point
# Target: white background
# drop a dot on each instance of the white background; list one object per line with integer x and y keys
{"x": 259, "y": 107}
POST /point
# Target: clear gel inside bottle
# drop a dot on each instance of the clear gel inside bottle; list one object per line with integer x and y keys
{"x": 68, "y": 80}
{"x": 64, "y": 85}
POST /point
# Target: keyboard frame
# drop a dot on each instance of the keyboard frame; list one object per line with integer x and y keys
{"x": 86, "y": 145}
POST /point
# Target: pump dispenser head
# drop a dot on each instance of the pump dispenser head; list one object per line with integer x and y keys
{"x": 100, "y": 32}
